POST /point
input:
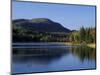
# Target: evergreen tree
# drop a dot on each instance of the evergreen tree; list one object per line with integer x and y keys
{"x": 82, "y": 34}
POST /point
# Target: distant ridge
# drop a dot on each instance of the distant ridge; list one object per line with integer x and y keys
{"x": 40, "y": 25}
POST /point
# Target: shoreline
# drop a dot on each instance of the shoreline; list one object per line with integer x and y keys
{"x": 92, "y": 45}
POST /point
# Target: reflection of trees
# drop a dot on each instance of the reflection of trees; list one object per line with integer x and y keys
{"x": 38, "y": 55}
{"x": 44, "y": 59}
{"x": 40, "y": 51}
{"x": 84, "y": 52}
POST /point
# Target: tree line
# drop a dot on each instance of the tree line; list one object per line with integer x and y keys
{"x": 84, "y": 35}
{"x": 22, "y": 35}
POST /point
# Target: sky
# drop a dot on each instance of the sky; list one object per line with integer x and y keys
{"x": 70, "y": 16}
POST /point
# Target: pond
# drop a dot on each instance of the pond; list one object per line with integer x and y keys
{"x": 46, "y": 57}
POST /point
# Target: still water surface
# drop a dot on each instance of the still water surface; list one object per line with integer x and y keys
{"x": 51, "y": 57}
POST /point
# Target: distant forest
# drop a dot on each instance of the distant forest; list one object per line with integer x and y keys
{"x": 84, "y": 35}
{"x": 45, "y": 30}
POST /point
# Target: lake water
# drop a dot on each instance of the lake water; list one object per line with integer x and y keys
{"x": 44, "y": 57}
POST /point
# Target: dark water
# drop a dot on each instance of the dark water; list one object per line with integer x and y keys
{"x": 51, "y": 57}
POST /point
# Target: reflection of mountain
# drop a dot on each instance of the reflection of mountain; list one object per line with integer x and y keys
{"x": 36, "y": 59}
{"x": 40, "y": 51}
{"x": 84, "y": 52}
{"x": 48, "y": 55}
{"x": 39, "y": 55}
{"x": 39, "y": 24}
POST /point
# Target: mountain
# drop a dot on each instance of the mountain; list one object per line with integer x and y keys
{"x": 39, "y": 24}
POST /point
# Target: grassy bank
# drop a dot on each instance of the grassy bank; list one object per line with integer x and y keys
{"x": 92, "y": 45}
{"x": 71, "y": 43}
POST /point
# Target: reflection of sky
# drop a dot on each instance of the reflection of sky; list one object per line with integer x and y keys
{"x": 44, "y": 64}
{"x": 70, "y": 16}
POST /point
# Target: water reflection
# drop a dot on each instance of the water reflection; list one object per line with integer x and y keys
{"x": 46, "y": 55}
{"x": 36, "y": 59}
{"x": 52, "y": 58}
{"x": 84, "y": 52}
